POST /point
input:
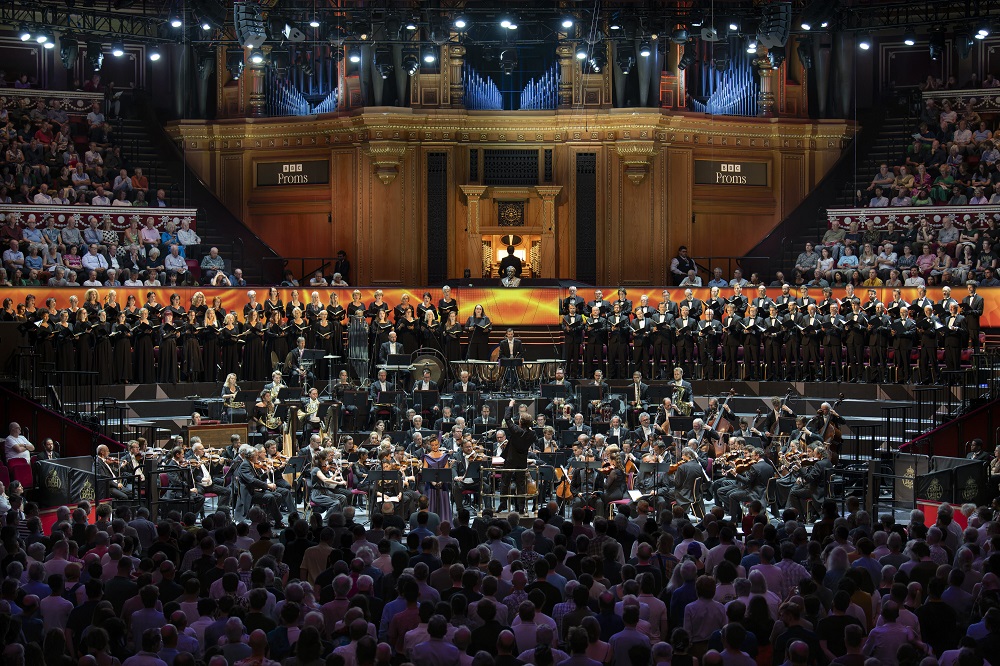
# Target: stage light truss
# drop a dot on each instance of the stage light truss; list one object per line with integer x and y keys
{"x": 124, "y": 25}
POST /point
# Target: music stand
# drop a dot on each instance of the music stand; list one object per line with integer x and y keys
{"x": 465, "y": 400}
{"x": 556, "y": 459}
{"x": 656, "y": 468}
{"x": 567, "y": 438}
{"x": 589, "y": 393}
{"x": 328, "y": 391}
{"x": 510, "y": 366}
{"x": 425, "y": 401}
{"x": 552, "y": 391}
{"x": 681, "y": 423}
{"x": 289, "y": 393}
{"x": 434, "y": 475}
{"x": 481, "y": 428}
{"x": 590, "y": 464}
{"x": 376, "y": 478}
{"x": 310, "y": 357}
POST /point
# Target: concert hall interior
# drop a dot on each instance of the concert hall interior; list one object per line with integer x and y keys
{"x": 486, "y": 334}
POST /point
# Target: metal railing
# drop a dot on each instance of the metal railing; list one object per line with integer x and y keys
{"x": 302, "y": 267}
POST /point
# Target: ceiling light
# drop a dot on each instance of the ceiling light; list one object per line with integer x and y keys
{"x": 154, "y": 53}
{"x": 117, "y": 49}
{"x": 24, "y": 33}
{"x": 461, "y": 23}
{"x": 41, "y": 38}
{"x": 256, "y": 56}
{"x": 625, "y": 60}
{"x": 411, "y": 25}
{"x": 752, "y": 46}
{"x": 614, "y": 25}
{"x": 567, "y": 22}
{"x": 984, "y": 32}
{"x": 505, "y": 22}
{"x": 909, "y": 38}
{"x": 354, "y": 54}
{"x": 175, "y": 21}
{"x": 314, "y": 22}
{"x": 206, "y": 26}
{"x": 599, "y": 60}
{"x": 936, "y": 43}
{"x": 581, "y": 52}
{"x": 734, "y": 26}
{"x": 824, "y": 24}
{"x": 411, "y": 63}
{"x": 689, "y": 57}
{"x": 806, "y": 25}
{"x": 644, "y": 49}
{"x": 49, "y": 44}
{"x": 428, "y": 55}
{"x": 864, "y": 43}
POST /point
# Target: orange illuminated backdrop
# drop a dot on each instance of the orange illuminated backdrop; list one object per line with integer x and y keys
{"x": 506, "y": 307}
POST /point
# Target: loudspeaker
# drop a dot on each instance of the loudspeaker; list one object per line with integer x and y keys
{"x": 249, "y": 25}
{"x": 775, "y": 25}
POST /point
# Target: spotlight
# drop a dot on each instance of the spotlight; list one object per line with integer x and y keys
{"x": 806, "y": 25}
{"x": 804, "y": 51}
{"x": 95, "y": 56}
{"x": 411, "y": 25}
{"x": 752, "y": 46}
{"x": 963, "y": 44}
{"x": 984, "y": 32}
{"x": 581, "y": 52}
{"x": 24, "y": 33}
{"x": 69, "y": 51}
{"x": 176, "y": 22}
{"x": 256, "y": 56}
{"x": 41, "y": 38}
{"x": 567, "y": 22}
{"x": 508, "y": 61}
{"x": 428, "y": 55}
{"x": 383, "y": 61}
{"x": 411, "y": 63}
{"x": 461, "y": 23}
{"x": 614, "y": 25}
{"x": 644, "y": 48}
{"x": 206, "y": 26}
{"x": 734, "y": 26}
{"x": 625, "y": 60}
{"x": 936, "y": 44}
{"x": 511, "y": 23}
{"x": 865, "y": 43}
{"x": 354, "y": 54}
{"x": 598, "y": 61}
{"x": 909, "y": 38}
{"x": 234, "y": 63}
{"x": 776, "y": 55}
{"x": 154, "y": 53}
{"x": 505, "y": 22}
{"x": 49, "y": 44}
{"x": 689, "y": 58}
{"x": 679, "y": 36}
{"x": 117, "y": 49}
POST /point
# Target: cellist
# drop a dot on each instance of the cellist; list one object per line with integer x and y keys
{"x": 827, "y": 424}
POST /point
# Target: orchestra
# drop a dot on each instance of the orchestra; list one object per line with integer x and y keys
{"x": 622, "y": 433}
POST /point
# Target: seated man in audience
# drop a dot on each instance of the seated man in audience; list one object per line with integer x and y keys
{"x": 211, "y": 264}
{"x": 93, "y": 235}
{"x": 95, "y": 261}
{"x": 717, "y": 279}
{"x": 13, "y": 258}
{"x": 161, "y": 200}
{"x": 236, "y": 279}
{"x": 884, "y": 178}
{"x": 174, "y": 263}
{"x": 186, "y": 235}
{"x": 92, "y": 279}
{"x": 807, "y": 261}
{"x": 139, "y": 182}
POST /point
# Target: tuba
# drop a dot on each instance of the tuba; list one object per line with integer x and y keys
{"x": 677, "y": 399}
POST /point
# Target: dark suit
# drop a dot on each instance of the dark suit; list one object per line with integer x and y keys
{"x": 955, "y": 333}
{"x": 104, "y": 472}
{"x": 216, "y": 487}
{"x": 457, "y": 387}
{"x": 505, "y": 349}
{"x": 257, "y": 490}
{"x": 748, "y": 487}
{"x": 181, "y": 482}
{"x": 419, "y": 386}
{"x": 684, "y": 480}
{"x": 519, "y": 442}
{"x": 813, "y": 486}
{"x": 386, "y": 349}
{"x": 973, "y": 310}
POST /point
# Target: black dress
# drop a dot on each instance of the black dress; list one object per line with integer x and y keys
{"x": 254, "y": 366}
{"x": 290, "y": 307}
{"x": 210, "y": 352}
{"x": 44, "y": 343}
{"x": 479, "y": 337}
{"x": 276, "y": 342}
{"x": 444, "y": 307}
{"x": 229, "y": 343}
{"x": 323, "y": 339}
{"x": 430, "y": 335}
{"x": 336, "y": 317}
{"x": 122, "y": 352}
{"x": 406, "y": 334}
{"x": 247, "y": 309}
{"x": 192, "y": 368}
{"x": 453, "y": 342}
{"x": 142, "y": 343}
{"x": 85, "y": 346}
{"x": 65, "y": 351}
{"x": 131, "y": 315}
{"x": 168, "y": 354}
{"x": 113, "y": 312}
{"x": 296, "y": 331}
{"x": 103, "y": 354}
{"x": 270, "y": 307}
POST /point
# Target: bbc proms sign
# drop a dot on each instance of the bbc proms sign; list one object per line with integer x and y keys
{"x": 717, "y": 172}
{"x": 315, "y": 172}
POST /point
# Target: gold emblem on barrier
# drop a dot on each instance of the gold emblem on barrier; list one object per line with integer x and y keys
{"x": 908, "y": 477}
{"x": 935, "y": 491}
{"x": 971, "y": 490}
{"x": 52, "y": 480}
{"x": 87, "y": 491}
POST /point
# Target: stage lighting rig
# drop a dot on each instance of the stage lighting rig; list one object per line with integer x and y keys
{"x": 625, "y": 59}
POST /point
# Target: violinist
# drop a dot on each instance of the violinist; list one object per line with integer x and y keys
{"x": 182, "y": 487}
{"x": 110, "y": 469}
{"x": 645, "y": 431}
{"x": 262, "y": 492}
{"x": 654, "y": 486}
{"x": 614, "y": 476}
{"x": 584, "y": 483}
{"x": 687, "y": 474}
{"x": 325, "y": 486}
{"x": 276, "y": 463}
{"x": 205, "y": 480}
{"x": 132, "y": 463}
{"x": 704, "y": 437}
{"x": 748, "y": 485}
{"x": 810, "y": 484}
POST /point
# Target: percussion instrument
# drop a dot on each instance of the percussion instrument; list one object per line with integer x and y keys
{"x": 549, "y": 367}
{"x": 530, "y": 371}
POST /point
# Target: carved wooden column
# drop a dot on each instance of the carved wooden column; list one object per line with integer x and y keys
{"x": 550, "y": 234}
{"x": 765, "y": 97}
{"x": 456, "y": 59}
{"x": 256, "y": 99}
{"x": 569, "y": 74}
{"x": 473, "y": 239}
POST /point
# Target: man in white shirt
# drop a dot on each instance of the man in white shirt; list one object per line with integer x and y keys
{"x": 43, "y": 196}
{"x": 174, "y": 263}
{"x": 186, "y": 235}
{"x": 16, "y": 445}
{"x": 100, "y": 198}
{"x": 95, "y": 261}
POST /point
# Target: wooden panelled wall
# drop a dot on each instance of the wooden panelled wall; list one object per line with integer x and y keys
{"x": 375, "y": 205}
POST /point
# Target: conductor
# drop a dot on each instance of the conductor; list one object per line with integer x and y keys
{"x": 520, "y": 439}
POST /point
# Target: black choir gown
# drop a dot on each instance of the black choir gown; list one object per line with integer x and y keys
{"x": 143, "y": 365}
{"x": 85, "y": 347}
{"x": 323, "y": 339}
{"x": 296, "y": 331}
{"x": 406, "y": 334}
{"x": 113, "y": 312}
{"x": 44, "y": 343}
{"x": 453, "y": 342}
{"x": 276, "y": 342}
{"x": 479, "y": 338}
{"x": 121, "y": 344}
{"x": 168, "y": 355}
{"x": 210, "y": 353}
{"x": 270, "y": 307}
{"x": 430, "y": 336}
{"x": 254, "y": 366}
{"x": 192, "y": 368}
{"x": 103, "y": 354}
{"x": 65, "y": 350}
{"x": 336, "y": 317}
{"x": 229, "y": 343}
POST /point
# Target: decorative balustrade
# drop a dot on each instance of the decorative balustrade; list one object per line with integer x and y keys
{"x": 120, "y": 217}
{"x": 936, "y": 215}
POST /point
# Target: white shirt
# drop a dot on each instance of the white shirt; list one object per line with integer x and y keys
{"x": 11, "y": 442}
{"x": 55, "y": 612}
{"x": 188, "y": 237}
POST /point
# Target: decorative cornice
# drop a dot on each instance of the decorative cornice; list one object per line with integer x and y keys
{"x": 635, "y": 155}
{"x": 385, "y": 157}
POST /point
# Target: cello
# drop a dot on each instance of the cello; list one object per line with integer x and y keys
{"x": 719, "y": 425}
{"x": 832, "y": 435}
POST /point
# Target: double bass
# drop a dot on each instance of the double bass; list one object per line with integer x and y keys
{"x": 722, "y": 426}
{"x": 832, "y": 435}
